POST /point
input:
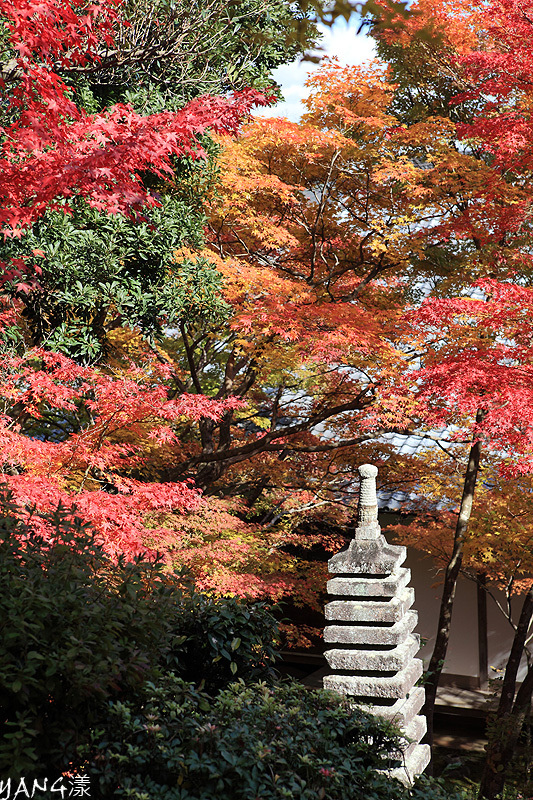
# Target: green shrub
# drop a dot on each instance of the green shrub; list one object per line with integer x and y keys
{"x": 77, "y": 629}
{"x": 90, "y": 654}
{"x": 217, "y": 640}
{"x": 250, "y": 742}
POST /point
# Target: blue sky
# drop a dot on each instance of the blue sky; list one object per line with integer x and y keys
{"x": 342, "y": 41}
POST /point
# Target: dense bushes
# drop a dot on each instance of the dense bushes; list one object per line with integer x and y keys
{"x": 249, "y": 742}
{"x": 118, "y": 672}
{"x": 78, "y": 630}
{"x": 218, "y": 640}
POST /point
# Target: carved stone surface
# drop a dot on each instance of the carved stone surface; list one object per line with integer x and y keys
{"x": 370, "y": 587}
{"x": 395, "y": 658}
{"x": 382, "y": 635}
{"x": 368, "y": 559}
{"x": 391, "y": 609}
{"x": 370, "y": 627}
{"x": 403, "y": 710}
{"x": 395, "y": 686}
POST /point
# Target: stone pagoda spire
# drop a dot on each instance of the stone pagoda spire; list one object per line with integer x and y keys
{"x": 370, "y": 630}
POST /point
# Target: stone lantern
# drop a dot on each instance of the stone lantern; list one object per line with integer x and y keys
{"x": 369, "y": 628}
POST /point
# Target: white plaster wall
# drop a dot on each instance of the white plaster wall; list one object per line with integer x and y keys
{"x": 462, "y": 658}
{"x": 500, "y": 635}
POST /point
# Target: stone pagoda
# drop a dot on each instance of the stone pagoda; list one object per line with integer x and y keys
{"x": 369, "y": 628}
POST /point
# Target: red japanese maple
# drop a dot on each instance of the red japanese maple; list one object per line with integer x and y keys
{"x": 53, "y": 149}
{"x": 122, "y": 413}
{"x": 103, "y": 471}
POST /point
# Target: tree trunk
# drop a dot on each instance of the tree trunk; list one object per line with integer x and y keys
{"x": 453, "y": 568}
{"x": 212, "y": 471}
{"x": 507, "y": 723}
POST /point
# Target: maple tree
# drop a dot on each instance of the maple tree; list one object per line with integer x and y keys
{"x": 55, "y": 152}
{"x": 52, "y": 149}
{"x": 501, "y": 79}
{"x": 323, "y": 231}
{"x": 276, "y": 219}
{"x": 475, "y": 371}
{"x": 478, "y": 230}
{"x": 89, "y": 440}
{"x": 75, "y": 435}
{"x": 475, "y": 382}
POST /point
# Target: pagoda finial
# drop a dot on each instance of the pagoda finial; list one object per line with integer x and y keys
{"x": 367, "y": 509}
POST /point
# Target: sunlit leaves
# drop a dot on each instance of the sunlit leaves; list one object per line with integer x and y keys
{"x": 52, "y": 149}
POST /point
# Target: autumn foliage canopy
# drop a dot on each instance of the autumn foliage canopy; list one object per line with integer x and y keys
{"x": 361, "y": 273}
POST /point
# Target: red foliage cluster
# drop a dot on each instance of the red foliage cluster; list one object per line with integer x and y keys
{"x": 479, "y": 357}
{"x": 118, "y": 414}
{"x": 52, "y": 149}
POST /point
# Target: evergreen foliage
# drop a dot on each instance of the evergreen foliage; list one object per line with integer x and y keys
{"x": 79, "y": 630}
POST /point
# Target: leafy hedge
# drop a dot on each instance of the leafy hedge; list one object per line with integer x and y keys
{"x": 250, "y": 742}
{"x": 77, "y": 630}
{"x": 118, "y": 672}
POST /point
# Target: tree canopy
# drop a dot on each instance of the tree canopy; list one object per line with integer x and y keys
{"x": 209, "y": 320}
